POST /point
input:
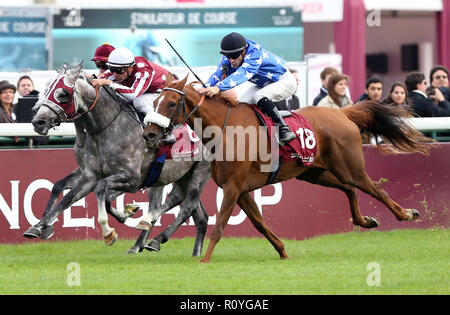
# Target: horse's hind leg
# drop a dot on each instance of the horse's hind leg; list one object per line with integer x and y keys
{"x": 374, "y": 189}
{"x": 325, "y": 178}
{"x": 200, "y": 217}
{"x": 349, "y": 169}
{"x": 192, "y": 185}
{"x": 247, "y": 203}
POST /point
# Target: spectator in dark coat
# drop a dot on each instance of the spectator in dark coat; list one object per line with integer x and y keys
{"x": 433, "y": 106}
{"x": 325, "y": 76}
{"x": 373, "y": 91}
{"x": 439, "y": 79}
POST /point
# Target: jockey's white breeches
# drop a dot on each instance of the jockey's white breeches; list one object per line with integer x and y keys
{"x": 284, "y": 88}
{"x": 144, "y": 103}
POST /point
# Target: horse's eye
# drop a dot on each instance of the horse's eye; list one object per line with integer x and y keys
{"x": 62, "y": 96}
{"x": 172, "y": 104}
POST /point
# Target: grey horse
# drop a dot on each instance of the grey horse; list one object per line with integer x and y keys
{"x": 113, "y": 162}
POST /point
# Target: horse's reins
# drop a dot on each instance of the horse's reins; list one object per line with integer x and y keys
{"x": 182, "y": 106}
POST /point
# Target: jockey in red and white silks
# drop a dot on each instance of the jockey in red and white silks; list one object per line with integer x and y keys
{"x": 135, "y": 78}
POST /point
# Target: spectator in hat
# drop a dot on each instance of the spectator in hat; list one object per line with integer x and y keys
{"x": 7, "y": 91}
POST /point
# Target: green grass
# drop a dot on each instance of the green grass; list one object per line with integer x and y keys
{"x": 410, "y": 261}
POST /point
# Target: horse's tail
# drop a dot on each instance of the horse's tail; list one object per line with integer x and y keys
{"x": 376, "y": 120}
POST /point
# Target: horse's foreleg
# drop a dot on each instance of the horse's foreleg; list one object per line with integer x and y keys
{"x": 154, "y": 212}
{"x": 230, "y": 196}
{"x": 83, "y": 187}
{"x": 155, "y": 199}
{"x": 247, "y": 203}
{"x": 65, "y": 183}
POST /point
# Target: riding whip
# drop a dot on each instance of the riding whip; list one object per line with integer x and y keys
{"x": 185, "y": 63}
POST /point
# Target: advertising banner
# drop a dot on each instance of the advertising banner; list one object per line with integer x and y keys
{"x": 23, "y": 43}
{"x": 293, "y": 209}
{"x": 195, "y": 32}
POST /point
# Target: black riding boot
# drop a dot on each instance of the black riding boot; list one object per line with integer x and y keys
{"x": 169, "y": 138}
{"x": 269, "y": 108}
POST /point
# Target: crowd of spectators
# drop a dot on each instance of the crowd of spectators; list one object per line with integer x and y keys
{"x": 419, "y": 97}
{"x": 415, "y": 95}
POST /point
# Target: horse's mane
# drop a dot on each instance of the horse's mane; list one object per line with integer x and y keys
{"x": 228, "y": 99}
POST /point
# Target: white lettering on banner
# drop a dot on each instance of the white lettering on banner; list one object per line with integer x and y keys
{"x": 77, "y": 222}
{"x": 29, "y": 27}
{"x": 28, "y": 198}
{"x": 220, "y": 18}
{"x": 194, "y": 18}
{"x": 4, "y": 27}
{"x": 165, "y": 18}
{"x": 269, "y": 199}
{"x": 260, "y": 200}
{"x": 11, "y": 213}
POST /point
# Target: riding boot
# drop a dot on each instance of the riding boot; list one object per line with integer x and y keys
{"x": 268, "y": 108}
{"x": 168, "y": 138}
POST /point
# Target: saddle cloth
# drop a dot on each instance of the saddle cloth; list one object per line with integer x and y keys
{"x": 188, "y": 145}
{"x": 303, "y": 148}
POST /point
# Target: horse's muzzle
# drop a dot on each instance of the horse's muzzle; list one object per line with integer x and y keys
{"x": 41, "y": 126}
{"x": 151, "y": 139}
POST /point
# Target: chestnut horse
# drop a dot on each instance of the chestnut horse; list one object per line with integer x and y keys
{"x": 339, "y": 160}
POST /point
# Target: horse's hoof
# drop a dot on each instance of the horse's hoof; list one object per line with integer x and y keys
{"x": 153, "y": 246}
{"x": 133, "y": 250}
{"x": 130, "y": 210}
{"x": 111, "y": 238}
{"x": 33, "y": 232}
{"x": 413, "y": 214}
{"x": 47, "y": 233}
{"x": 144, "y": 225}
{"x": 372, "y": 222}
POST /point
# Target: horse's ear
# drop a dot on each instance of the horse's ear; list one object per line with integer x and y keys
{"x": 74, "y": 73}
{"x": 185, "y": 79}
{"x": 62, "y": 69}
{"x": 169, "y": 79}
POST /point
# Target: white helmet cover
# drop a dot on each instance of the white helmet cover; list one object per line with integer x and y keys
{"x": 120, "y": 57}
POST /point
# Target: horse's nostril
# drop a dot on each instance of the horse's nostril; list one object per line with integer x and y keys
{"x": 41, "y": 122}
{"x": 150, "y": 135}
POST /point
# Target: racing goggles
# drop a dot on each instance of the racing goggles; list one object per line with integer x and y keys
{"x": 234, "y": 55}
{"x": 118, "y": 70}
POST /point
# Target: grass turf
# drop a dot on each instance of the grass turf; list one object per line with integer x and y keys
{"x": 409, "y": 261}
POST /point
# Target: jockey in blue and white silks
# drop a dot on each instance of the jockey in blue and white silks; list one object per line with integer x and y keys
{"x": 244, "y": 60}
{"x": 260, "y": 67}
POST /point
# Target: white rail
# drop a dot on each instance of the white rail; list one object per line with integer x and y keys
{"x": 68, "y": 129}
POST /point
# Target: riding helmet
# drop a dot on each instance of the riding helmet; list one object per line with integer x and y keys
{"x": 102, "y": 52}
{"x": 120, "y": 57}
{"x": 233, "y": 42}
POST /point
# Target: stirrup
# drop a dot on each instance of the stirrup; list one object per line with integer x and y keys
{"x": 286, "y": 135}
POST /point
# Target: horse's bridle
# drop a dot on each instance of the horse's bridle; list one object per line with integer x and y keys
{"x": 182, "y": 106}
